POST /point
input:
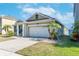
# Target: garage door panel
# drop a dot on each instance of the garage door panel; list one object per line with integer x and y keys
{"x": 38, "y": 32}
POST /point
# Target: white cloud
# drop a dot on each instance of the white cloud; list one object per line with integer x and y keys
{"x": 23, "y": 5}
{"x": 47, "y": 10}
{"x": 68, "y": 16}
{"x": 58, "y": 15}
{"x": 28, "y": 10}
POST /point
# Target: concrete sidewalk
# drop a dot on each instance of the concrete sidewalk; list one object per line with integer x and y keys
{"x": 6, "y": 53}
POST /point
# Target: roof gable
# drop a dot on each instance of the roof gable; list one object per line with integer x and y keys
{"x": 38, "y": 16}
{"x": 8, "y": 17}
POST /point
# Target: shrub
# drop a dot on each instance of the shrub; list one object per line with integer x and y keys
{"x": 75, "y": 36}
{"x": 10, "y": 33}
{"x": 0, "y": 33}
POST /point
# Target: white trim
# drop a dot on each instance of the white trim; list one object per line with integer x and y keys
{"x": 37, "y": 25}
{"x": 23, "y": 30}
{"x": 17, "y": 30}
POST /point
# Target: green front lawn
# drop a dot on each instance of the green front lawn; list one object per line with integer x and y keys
{"x": 64, "y": 48}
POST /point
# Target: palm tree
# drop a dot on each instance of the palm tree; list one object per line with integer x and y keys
{"x": 76, "y": 27}
{"x": 6, "y": 28}
{"x": 0, "y": 28}
{"x": 53, "y": 27}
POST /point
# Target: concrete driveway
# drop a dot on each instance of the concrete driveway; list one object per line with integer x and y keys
{"x": 17, "y": 44}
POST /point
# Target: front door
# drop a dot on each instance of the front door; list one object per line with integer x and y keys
{"x": 20, "y": 30}
{"x": 15, "y": 30}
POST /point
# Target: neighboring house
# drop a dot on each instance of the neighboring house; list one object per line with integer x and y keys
{"x": 76, "y": 11}
{"x": 6, "y": 20}
{"x": 37, "y": 26}
{"x": 66, "y": 31}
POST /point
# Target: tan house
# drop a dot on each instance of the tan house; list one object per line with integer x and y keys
{"x": 7, "y": 20}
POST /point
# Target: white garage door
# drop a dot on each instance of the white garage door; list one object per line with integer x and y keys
{"x": 38, "y": 32}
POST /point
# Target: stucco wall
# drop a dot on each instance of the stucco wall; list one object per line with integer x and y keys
{"x": 8, "y": 22}
{"x": 38, "y": 24}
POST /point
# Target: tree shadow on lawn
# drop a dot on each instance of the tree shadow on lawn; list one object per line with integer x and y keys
{"x": 66, "y": 42}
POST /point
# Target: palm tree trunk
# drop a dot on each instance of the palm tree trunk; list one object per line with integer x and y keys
{"x": 49, "y": 33}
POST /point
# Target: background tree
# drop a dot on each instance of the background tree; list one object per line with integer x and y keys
{"x": 76, "y": 27}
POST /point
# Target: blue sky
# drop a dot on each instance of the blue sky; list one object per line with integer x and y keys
{"x": 63, "y": 12}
